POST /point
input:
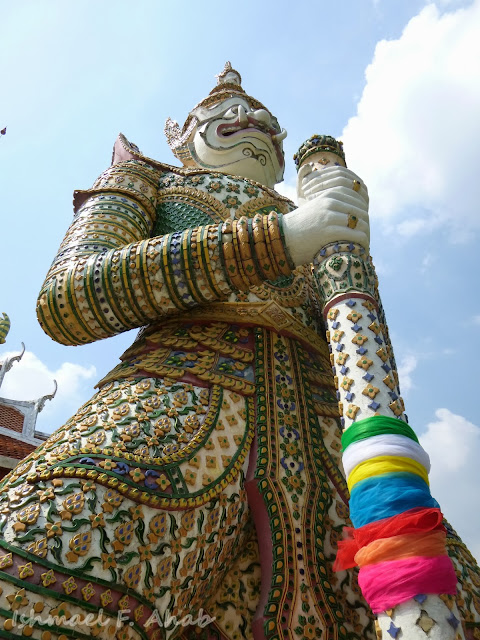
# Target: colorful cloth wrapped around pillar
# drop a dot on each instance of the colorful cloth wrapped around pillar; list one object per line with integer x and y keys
{"x": 399, "y": 539}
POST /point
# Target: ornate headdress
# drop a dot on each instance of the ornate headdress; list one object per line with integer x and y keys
{"x": 316, "y": 144}
{"x": 228, "y": 86}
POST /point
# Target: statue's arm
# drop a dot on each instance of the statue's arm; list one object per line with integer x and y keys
{"x": 110, "y": 275}
{"x": 85, "y": 296}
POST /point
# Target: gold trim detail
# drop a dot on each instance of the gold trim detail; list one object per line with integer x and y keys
{"x": 270, "y": 315}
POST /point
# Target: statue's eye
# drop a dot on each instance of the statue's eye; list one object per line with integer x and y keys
{"x": 230, "y": 113}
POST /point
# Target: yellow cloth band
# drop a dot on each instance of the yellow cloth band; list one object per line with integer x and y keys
{"x": 385, "y": 464}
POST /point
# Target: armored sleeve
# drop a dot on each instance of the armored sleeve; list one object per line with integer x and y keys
{"x": 110, "y": 275}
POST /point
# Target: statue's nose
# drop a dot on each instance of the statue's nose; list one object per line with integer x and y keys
{"x": 242, "y": 116}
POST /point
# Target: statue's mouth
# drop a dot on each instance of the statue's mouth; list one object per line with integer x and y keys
{"x": 250, "y": 124}
{"x": 228, "y": 129}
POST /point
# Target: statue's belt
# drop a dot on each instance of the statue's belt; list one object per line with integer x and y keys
{"x": 269, "y": 315}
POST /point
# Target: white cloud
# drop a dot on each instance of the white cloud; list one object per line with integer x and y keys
{"x": 407, "y": 365}
{"x": 476, "y": 319}
{"x": 427, "y": 261}
{"x": 30, "y": 379}
{"x": 448, "y": 3}
{"x": 448, "y": 351}
{"x": 453, "y": 444}
{"x": 412, "y": 227}
{"x": 416, "y": 135}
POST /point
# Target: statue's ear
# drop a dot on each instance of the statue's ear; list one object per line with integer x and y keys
{"x": 178, "y": 139}
{"x": 124, "y": 150}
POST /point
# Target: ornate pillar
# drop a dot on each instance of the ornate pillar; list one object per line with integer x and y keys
{"x": 372, "y": 412}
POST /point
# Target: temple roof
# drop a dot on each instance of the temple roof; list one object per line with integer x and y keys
{"x": 18, "y": 436}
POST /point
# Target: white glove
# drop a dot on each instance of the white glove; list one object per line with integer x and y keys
{"x": 330, "y": 210}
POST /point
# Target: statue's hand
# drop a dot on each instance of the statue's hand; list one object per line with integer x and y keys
{"x": 331, "y": 210}
{"x": 313, "y": 182}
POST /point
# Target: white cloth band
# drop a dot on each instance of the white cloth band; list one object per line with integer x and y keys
{"x": 384, "y": 445}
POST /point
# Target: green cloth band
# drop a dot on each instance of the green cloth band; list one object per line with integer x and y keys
{"x": 376, "y": 426}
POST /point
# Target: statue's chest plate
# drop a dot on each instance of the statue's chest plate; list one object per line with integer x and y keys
{"x": 188, "y": 201}
{"x": 201, "y": 198}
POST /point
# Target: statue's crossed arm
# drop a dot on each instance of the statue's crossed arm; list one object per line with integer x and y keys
{"x": 110, "y": 275}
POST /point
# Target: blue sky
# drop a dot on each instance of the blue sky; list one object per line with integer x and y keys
{"x": 398, "y": 81}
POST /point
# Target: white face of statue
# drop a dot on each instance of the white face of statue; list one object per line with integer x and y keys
{"x": 232, "y": 137}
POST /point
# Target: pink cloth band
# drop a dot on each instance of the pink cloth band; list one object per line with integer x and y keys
{"x": 386, "y": 584}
